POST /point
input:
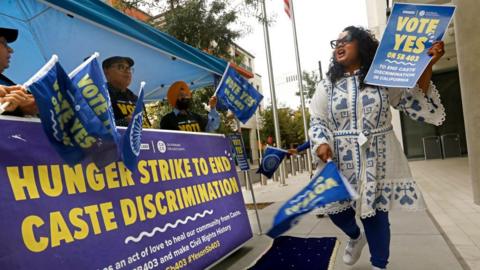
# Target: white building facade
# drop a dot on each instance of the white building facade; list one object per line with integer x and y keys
{"x": 456, "y": 77}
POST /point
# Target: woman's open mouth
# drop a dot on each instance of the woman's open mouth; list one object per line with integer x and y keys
{"x": 341, "y": 53}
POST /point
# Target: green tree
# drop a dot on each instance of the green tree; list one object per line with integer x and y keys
{"x": 206, "y": 27}
{"x": 297, "y": 125}
{"x": 310, "y": 83}
{"x": 204, "y": 24}
{"x": 291, "y": 126}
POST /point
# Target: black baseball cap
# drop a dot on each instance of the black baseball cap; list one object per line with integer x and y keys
{"x": 9, "y": 34}
{"x": 116, "y": 59}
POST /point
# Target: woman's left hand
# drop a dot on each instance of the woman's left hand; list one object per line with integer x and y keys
{"x": 436, "y": 51}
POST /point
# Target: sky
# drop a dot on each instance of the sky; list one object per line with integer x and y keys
{"x": 317, "y": 22}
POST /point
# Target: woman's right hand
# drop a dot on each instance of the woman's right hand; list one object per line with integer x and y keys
{"x": 324, "y": 152}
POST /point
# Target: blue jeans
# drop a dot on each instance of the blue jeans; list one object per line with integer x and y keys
{"x": 377, "y": 231}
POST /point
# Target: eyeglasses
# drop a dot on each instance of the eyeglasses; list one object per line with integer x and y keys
{"x": 341, "y": 42}
{"x": 4, "y": 43}
{"x": 123, "y": 68}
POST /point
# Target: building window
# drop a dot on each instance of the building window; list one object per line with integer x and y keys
{"x": 448, "y": 84}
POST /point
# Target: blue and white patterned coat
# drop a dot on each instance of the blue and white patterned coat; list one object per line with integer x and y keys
{"x": 356, "y": 123}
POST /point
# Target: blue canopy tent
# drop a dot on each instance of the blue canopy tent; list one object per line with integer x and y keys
{"x": 74, "y": 29}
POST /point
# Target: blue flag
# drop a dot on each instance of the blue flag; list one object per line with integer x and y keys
{"x": 238, "y": 95}
{"x": 272, "y": 157}
{"x": 221, "y": 107}
{"x": 89, "y": 80}
{"x": 326, "y": 187}
{"x": 133, "y": 136}
{"x": 69, "y": 123}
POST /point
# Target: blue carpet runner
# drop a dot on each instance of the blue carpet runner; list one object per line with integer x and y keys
{"x": 289, "y": 252}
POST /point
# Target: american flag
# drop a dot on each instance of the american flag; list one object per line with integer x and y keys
{"x": 288, "y": 8}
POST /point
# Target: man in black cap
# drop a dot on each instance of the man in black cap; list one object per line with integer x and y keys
{"x": 19, "y": 102}
{"x": 118, "y": 72}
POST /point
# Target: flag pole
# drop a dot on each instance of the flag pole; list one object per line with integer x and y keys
{"x": 272, "y": 88}
{"x": 300, "y": 85}
{"x": 248, "y": 183}
{"x": 263, "y": 181}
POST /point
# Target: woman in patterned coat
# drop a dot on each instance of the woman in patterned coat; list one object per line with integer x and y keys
{"x": 351, "y": 124}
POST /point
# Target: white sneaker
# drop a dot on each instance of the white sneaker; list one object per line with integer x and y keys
{"x": 376, "y": 268}
{"x": 354, "y": 249}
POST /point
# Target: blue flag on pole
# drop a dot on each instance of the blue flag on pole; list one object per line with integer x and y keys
{"x": 49, "y": 87}
{"x": 133, "y": 136}
{"x": 238, "y": 95}
{"x": 326, "y": 187}
{"x": 69, "y": 123}
{"x": 272, "y": 157}
{"x": 88, "y": 78}
{"x": 221, "y": 107}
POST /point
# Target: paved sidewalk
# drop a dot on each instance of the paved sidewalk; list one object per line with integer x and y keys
{"x": 416, "y": 243}
{"x": 447, "y": 189}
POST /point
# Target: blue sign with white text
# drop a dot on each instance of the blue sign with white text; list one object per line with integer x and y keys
{"x": 402, "y": 55}
{"x": 239, "y": 150}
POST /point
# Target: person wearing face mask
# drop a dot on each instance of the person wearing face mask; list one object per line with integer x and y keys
{"x": 351, "y": 125}
{"x": 181, "y": 118}
{"x": 20, "y": 102}
{"x": 118, "y": 72}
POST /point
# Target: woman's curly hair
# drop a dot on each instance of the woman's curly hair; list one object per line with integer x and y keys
{"x": 367, "y": 46}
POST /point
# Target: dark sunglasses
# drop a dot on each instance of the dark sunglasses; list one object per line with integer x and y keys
{"x": 340, "y": 42}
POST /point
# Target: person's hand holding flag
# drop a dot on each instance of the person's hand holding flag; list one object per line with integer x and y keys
{"x": 11, "y": 97}
{"x": 212, "y": 102}
{"x": 15, "y": 96}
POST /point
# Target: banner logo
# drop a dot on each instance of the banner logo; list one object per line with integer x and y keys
{"x": 136, "y": 134}
{"x": 271, "y": 162}
{"x": 162, "y": 147}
